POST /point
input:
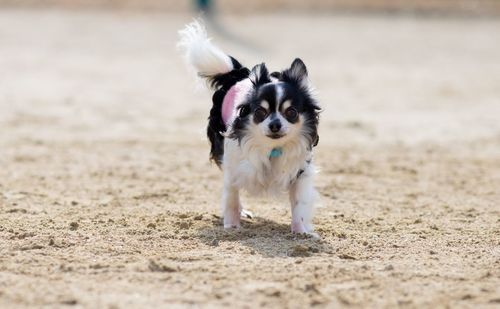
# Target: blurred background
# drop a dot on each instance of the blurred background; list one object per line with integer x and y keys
{"x": 467, "y": 7}
{"x": 384, "y": 70}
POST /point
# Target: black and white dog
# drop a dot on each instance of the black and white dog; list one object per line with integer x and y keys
{"x": 262, "y": 128}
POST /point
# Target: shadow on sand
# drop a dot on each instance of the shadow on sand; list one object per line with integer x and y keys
{"x": 263, "y": 236}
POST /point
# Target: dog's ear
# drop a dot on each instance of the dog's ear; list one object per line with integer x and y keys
{"x": 297, "y": 73}
{"x": 259, "y": 75}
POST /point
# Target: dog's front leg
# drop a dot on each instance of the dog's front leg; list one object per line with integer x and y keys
{"x": 231, "y": 207}
{"x": 302, "y": 197}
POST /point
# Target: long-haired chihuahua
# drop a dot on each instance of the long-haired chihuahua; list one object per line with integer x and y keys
{"x": 262, "y": 128}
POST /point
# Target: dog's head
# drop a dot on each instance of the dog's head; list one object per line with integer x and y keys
{"x": 280, "y": 109}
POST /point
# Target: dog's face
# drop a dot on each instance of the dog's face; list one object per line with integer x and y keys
{"x": 277, "y": 111}
{"x": 280, "y": 109}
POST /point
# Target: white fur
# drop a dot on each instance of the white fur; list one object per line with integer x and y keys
{"x": 205, "y": 57}
{"x": 302, "y": 198}
{"x": 279, "y": 91}
{"x": 248, "y": 166}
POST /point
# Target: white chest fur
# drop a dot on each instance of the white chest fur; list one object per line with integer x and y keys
{"x": 249, "y": 166}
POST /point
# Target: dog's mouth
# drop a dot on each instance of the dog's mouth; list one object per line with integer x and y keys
{"x": 275, "y": 135}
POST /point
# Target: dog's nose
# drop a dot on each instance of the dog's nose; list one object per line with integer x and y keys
{"x": 275, "y": 125}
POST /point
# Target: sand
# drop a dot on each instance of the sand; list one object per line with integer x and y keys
{"x": 107, "y": 198}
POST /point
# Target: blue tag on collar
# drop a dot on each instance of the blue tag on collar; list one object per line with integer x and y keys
{"x": 276, "y": 152}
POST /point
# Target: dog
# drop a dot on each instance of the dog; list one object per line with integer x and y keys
{"x": 262, "y": 128}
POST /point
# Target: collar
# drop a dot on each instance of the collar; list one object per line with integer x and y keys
{"x": 276, "y": 152}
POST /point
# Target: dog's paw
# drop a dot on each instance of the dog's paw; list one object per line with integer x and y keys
{"x": 246, "y": 214}
{"x": 230, "y": 226}
{"x": 232, "y": 220}
{"x": 309, "y": 234}
{"x": 298, "y": 227}
{"x": 312, "y": 235}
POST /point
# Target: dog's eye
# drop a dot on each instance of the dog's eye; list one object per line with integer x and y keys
{"x": 260, "y": 114}
{"x": 244, "y": 111}
{"x": 291, "y": 113}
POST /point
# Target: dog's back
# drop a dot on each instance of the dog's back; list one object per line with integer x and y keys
{"x": 221, "y": 72}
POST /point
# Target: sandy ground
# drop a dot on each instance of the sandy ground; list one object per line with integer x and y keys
{"x": 107, "y": 198}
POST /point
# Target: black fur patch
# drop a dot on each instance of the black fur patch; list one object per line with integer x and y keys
{"x": 240, "y": 124}
{"x": 221, "y": 83}
{"x": 259, "y": 77}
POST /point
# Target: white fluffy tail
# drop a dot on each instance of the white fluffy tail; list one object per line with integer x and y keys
{"x": 207, "y": 59}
